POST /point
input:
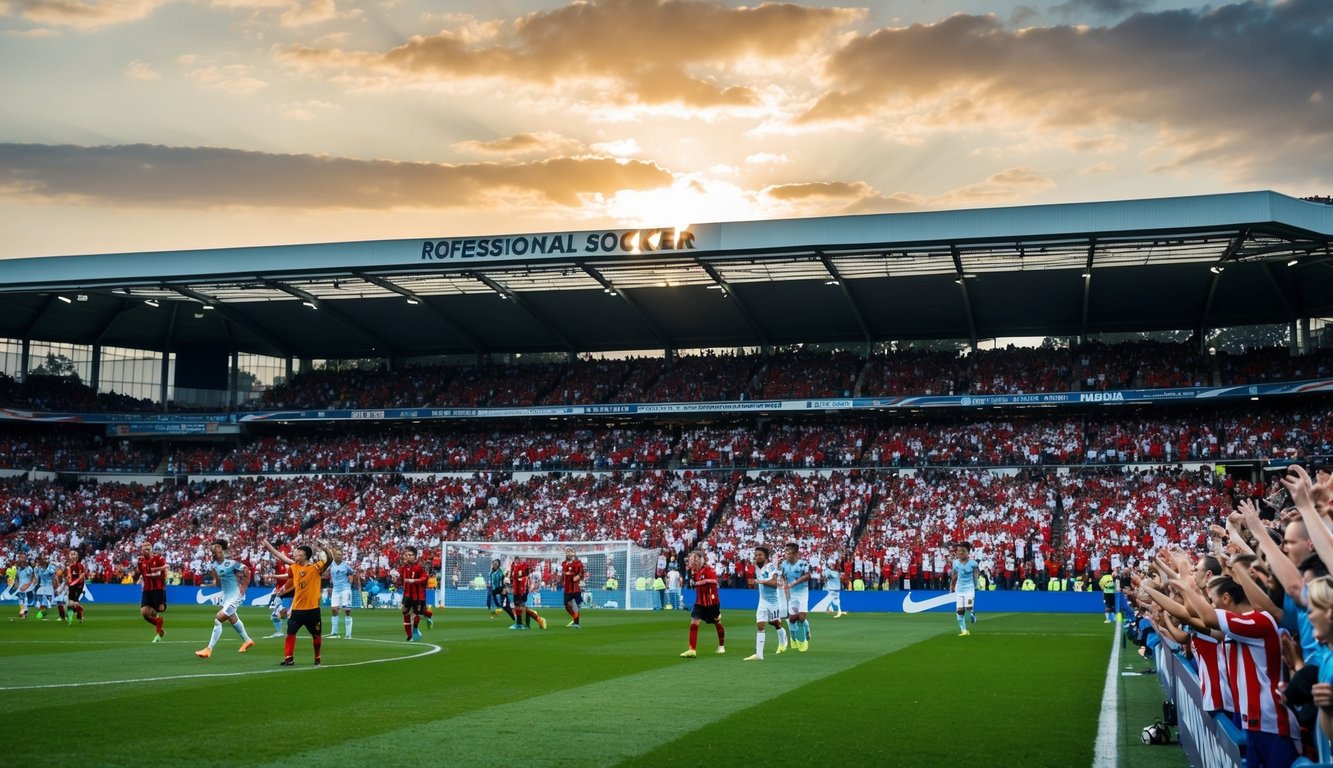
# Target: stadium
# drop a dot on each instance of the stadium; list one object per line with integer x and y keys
{"x": 1076, "y": 392}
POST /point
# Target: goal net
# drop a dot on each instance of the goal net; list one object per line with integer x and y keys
{"x": 613, "y": 571}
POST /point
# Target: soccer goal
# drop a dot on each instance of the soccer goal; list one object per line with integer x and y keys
{"x": 612, "y": 569}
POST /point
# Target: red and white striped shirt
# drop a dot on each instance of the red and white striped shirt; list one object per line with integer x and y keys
{"x": 1210, "y": 657}
{"x": 1254, "y": 661}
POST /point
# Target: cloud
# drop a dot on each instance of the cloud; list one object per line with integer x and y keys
{"x": 855, "y": 190}
{"x": 85, "y": 15}
{"x": 1229, "y": 85}
{"x": 767, "y": 158}
{"x": 305, "y": 110}
{"x": 619, "y": 147}
{"x": 542, "y": 142}
{"x": 141, "y": 70}
{"x": 632, "y": 52}
{"x": 230, "y": 78}
{"x": 143, "y": 175}
{"x": 1071, "y": 9}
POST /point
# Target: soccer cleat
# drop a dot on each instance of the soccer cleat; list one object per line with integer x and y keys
{"x": 204, "y": 653}
{"x": 517, "y": 626}
{"x": 541, "y": 622}
{"x": 276, "y": 634}
{"x": 690, "y": 654}
{"x": 416, "y": 635}
{"x": 782, "y": 648}
{"x": 430, "y": 622}
{"x": 331, "y": 637}
{"x": 287, "y": 662}
{"x": 803, "y": 646}
{"x": 754, "y": 657}
{"x": 965, "y": 633}
{"x": 318, "y": 663}
{"x": 721, "y": 649}
{"x": 247, "y": 645}
{"x": 157, "y": 638}
{"x": 571, "y": 624}
{"x": 575, "y": 626}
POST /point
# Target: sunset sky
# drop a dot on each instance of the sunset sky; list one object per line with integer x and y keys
{"x": 135, "y": 125}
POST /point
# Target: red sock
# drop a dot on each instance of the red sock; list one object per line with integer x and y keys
{"x": 288, "y": 646}
{"x": 407, "y": 626}
{"x": 62, "y": 613}
{"x": 159, "y": 622}
{"x": 721, "y": 635}
{"x": 319, "y": 643}
{"x": 576, "y": 617}
{"x": 694, "y": 636}
{"x": 78, "y": 612}
{"x": 416, "y": 621}
{"x": 429, "y": 613}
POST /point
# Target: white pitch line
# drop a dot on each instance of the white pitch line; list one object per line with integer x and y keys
{"x": 430, "y": 650}
{"x": 1106, "y": 753}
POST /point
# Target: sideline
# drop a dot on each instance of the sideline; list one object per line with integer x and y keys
{"x": 1106, "y": 754}
{"x": 429, "y": 650}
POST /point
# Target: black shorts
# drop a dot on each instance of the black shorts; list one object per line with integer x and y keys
{"x": 74, "y": 594}
{"x": 709, "y": 614}
{"x": 155, "y": 599}
{"x": 574, "y": 597}
{"x": 520, "y": 598}
{"x": 308, "y": 618}
{"x": 1109, "y": 599}
{"x": 414, "y": 606}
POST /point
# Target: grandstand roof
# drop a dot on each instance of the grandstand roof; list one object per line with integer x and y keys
{"x": 1173, "y": 263}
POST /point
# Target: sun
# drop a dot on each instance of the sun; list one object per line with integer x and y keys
{"x": 689, "y": 200}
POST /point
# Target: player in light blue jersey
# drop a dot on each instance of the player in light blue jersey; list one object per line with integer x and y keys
{"x": 833, "y": 585}
{"x": 233, "y": 577}
{"x": 796, "y": 575}
{"x": 46, "y": 585}
{"x": 25, "y": 583}
{"x": 768, "y": 578}
{"x": 343, "y": 578}
{"x": 963, "y": 583}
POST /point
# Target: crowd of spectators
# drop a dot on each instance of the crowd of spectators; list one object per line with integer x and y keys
{"x": 722, "y": 376}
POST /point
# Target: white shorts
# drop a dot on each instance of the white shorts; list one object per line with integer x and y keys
{"x": 964, "y": 600}
{"x": 799, "y": 603}
{"x": 229, "y": 607}
{"x": 341, "y": 598}
{"x": 767, "y": 612}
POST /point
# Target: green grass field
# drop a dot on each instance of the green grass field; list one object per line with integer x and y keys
{"x": 874, "y": 689}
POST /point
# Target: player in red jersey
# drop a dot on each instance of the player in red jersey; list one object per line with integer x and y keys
{"x": 152, "y": 570}
{"x": 571, "y": 574}
{"x": 707, "y": 604}
{"x": 76, "y": 574}
{"x": 519, "y": 571}
{"x": 413, "y": 575}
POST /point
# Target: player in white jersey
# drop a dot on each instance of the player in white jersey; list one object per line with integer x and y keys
{"x": 25, "y": 583}
{"x": 233, "y": 577}
{"x": 963, "y": 583}
{"x": 46, "y": 585}
{"x": 796, "y": 575}
{"x": 833, "y": 585}
{"x": 343, "y": 578}
{"x": 768, "y": 578}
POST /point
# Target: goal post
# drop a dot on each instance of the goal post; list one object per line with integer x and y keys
{"x": 613, "y": 572}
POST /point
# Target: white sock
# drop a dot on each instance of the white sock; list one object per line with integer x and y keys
{"x": 782, "y": 636}
{"x": 759, "y": 644}
{"x": 336, "y": 619}
{"x": 217, "y": 632}
{"x": 349, "y": 625}
{"x": 239, "y": 626}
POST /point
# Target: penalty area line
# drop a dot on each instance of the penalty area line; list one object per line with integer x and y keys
{"x": 429, "y": 649}
{"x": 1106, "y": 753}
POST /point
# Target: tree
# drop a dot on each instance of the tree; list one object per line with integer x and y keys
{"x": 56, "y": 365}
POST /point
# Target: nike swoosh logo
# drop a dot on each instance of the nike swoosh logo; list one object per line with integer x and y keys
{"x": 917, "y": 606}
{"x": 201, "y": 598}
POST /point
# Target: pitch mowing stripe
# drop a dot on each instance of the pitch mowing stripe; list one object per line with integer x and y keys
{"x": 591, "y": 725}
{"x": 430, "y": 650}
{"x": 1106, "y": 754}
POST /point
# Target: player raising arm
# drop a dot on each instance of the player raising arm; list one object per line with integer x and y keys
{"x": 306, "y": 572}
